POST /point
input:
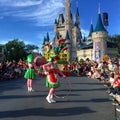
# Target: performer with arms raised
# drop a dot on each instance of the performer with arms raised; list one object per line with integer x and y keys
{"x": 51, "y": 70}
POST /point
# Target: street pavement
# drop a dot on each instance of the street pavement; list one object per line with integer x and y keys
{"x": 78, "y": 98}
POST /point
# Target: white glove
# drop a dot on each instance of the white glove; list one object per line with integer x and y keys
{"x": 46, "y": 73}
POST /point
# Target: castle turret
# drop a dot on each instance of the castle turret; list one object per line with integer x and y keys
{"x": 77, "y": 22}
{"x": 69, "y": 20}
{"x": 61, "y": 19}
{"x": 43, "y": 45}
{"x": 99, "y": 36}
{"x": 55, "y": 26}
{"x": 47, "y": 38}
{"x": 68, "y": 44}
{"x": 59, "y": 26}
{"x": 76, "y": 36}
{"x": 91, "y": 31}
{"x": 68, "y": 12}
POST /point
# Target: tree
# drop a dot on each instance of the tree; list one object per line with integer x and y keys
{"x": 17, "y": 50}
{"x": 116, "y": 39}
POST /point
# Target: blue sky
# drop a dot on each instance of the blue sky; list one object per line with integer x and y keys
{"x": 30, "y": 20}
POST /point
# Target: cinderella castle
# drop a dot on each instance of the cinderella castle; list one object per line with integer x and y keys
{"x": 94, "y": 46}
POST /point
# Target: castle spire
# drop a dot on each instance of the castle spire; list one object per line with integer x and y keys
{"x": 67, "y": 36}
{"x": 91, "y": 30}
{"x": 99, "y": 25}
{"x": 77, "y": 22}
{"x": 61, "y": 18}
{"x": 68, "y": 11}
{"x": 47, "y": 38}
{"x": 77, "y": 3}
{"x": 99, "y": 8}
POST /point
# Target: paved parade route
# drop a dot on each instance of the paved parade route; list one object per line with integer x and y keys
{"x": 84, "y": 99}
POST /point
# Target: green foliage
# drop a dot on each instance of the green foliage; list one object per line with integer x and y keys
{"x": 115, "y": 39}
{"x": 1, "y": 46}
{"x": 118, "y": 55}
{"x": 17, "y": 50}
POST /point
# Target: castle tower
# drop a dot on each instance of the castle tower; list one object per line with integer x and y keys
{"x": 77, "y": 28}
{"x": 69, "y": 21}
{"x": 99, "y": 36}
{"x": 55, "y": 26}
{"x": 45, "y": 44}
{"x": 68, "y": 15}
{"x": 91, "y": 31}
{"x": 68, "y": 44}
{"x": 76, "y": 36}
{"x": 77, "y": 18}
{"x": 59, "y": 26}
{"x": 67, "y": 27}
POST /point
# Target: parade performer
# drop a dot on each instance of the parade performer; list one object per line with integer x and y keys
{"x": 51, "y": 70}
{"x": 30, "y": 74}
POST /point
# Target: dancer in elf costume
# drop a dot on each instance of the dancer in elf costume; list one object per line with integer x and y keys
{"x": 51, "y": 70}
{"x": 30, "y": 74}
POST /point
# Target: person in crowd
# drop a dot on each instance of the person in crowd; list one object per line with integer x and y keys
{"x": 115, "y": 88}
{"x": 111, "y": 79}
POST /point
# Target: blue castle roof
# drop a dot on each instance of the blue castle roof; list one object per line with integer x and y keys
{"x": 55, "y": 22}
{"x": 91, "y": 30}
{"x": 99, "y": 25}
{"x": 67, "y": 36}
{"x": 61, "y": 16}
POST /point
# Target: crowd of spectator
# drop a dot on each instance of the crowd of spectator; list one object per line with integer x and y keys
{"x": 106, "y": 71}
{"x": 12, "y": 70}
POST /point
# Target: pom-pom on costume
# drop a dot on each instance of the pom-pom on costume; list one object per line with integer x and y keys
{"x": 30, "y": 74}
{"x": 51, "y": 70}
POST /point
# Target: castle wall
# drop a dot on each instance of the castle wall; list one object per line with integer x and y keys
{"x": 99, "y": 45}
{"x": 85, "y": 53}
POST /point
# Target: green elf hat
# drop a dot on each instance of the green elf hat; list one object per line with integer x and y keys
{"x": 30, "y": 58}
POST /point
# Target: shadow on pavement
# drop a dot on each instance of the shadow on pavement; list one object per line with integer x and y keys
{"x": 46, "y": 112}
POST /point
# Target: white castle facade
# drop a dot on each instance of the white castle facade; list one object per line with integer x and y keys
{"x": 94, "y": 47}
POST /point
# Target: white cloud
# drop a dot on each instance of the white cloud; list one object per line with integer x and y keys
{"x": 40, "y": 12}
{"x": 3, "y": 41}
{"x": 84, "y": 32}
{"x": 20, "y": 3}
